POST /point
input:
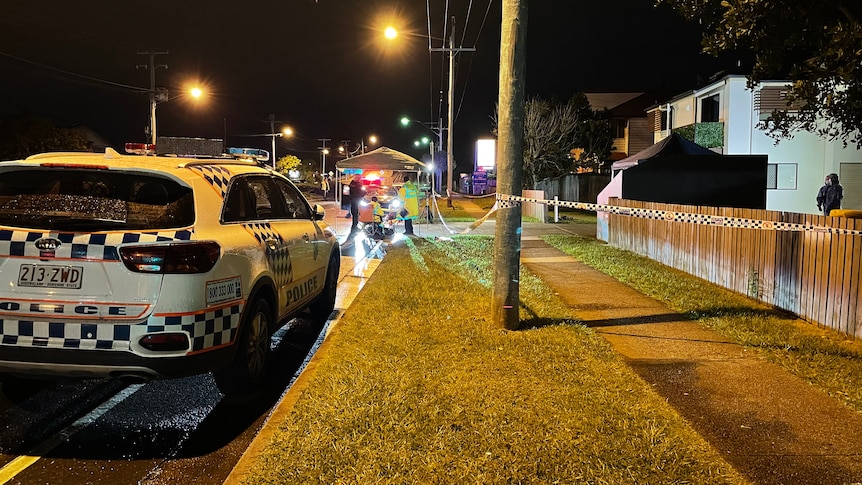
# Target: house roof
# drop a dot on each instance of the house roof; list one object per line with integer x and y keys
{"x": 600, "y": 101}
{"x": 675, "y": 144}
{"x": 626, "y": 105}
{"x": 383, "y": 158}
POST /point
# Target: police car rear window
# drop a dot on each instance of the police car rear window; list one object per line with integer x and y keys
{"x": 67, "y": 199}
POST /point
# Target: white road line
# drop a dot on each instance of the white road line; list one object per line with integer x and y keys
{"x": 21, "y": 463}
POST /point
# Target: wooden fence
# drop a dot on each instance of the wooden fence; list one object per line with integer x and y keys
{"x": 813, "y": 274}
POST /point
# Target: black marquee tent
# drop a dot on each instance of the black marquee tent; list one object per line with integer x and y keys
{"x": 678, "y": 171}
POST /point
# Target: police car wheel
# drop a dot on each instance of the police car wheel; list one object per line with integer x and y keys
{"x": 248, "y": 370}
{"x": 323, "y": 305}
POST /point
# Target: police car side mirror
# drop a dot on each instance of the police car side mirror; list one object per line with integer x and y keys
{"x": 318, "y": 211}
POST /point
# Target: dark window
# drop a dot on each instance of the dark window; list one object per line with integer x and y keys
{"x": 264, "y": 198}
{"x": 666, "y": 119}
{"x": 781, "y": 176}
{"x": 709, "y": 109}
{"x": 295, "y": 204}
{"x": 618, "y": 127}
{"x": 92, "y": 200}
{"x": 253, "y": 198}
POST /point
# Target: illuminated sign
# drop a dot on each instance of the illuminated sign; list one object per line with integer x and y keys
{"x": 486, "y": 154}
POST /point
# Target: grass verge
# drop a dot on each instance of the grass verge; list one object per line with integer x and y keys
{"x": 823, "y": 358}
{"x": 418, "y": 386}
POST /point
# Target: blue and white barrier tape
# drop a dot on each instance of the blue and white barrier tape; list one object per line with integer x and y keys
{"x": 672, "y": 216}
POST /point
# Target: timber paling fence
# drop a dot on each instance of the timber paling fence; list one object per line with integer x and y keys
{"x": 812, "y": 273}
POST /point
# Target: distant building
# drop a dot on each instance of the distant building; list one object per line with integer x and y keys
{"x": 723, "y": 116}
{"x": 628, "y": 118}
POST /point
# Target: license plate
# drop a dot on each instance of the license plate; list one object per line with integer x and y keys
{"x": 223, "y": 290}
{"x": 50, "y": 276}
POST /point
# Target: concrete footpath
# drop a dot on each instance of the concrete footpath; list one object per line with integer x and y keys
{"x": 772, "y": 427}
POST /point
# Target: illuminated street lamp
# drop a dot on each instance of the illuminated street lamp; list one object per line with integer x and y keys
{"x": 161, "y": 95}
{"x": 286, "y": 131}
{"x": 451, "y": 50}
{"x": 432, "y": 126}
{"x": 323, "y": 154}
{"x": 372, "y": 140}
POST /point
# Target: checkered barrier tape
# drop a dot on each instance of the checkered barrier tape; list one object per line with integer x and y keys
{"x": 278, "y": 257}
{"x": 671, "y": 216}
{"x": 218, "y": 177}
{"x": 206, "y": 329}
{"x": 82, "y": 246}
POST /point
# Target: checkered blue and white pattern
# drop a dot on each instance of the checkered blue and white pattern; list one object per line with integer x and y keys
{"x": 59, "y": 335}
{"x": 218, "y": 177}
{"x": 702, "y": 219}
{"x": 206, "y": 329}
{"x": 83, "y": 245}
{"x": 279, "y": 257}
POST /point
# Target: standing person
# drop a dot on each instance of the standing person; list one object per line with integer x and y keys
{"x": 324, "y": 185}
{"x": 829, "y": 196}
{"x": 356, "y": 193}
{"x": 409, "y": 195}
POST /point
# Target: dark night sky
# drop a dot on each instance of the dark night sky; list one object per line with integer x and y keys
{"x": 320, "y": 67}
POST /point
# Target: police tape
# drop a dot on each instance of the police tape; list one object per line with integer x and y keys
{"x": 505, "y": 200}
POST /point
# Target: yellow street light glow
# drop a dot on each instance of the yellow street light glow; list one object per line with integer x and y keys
{"x": 196, "y": 92}
{"x": 390, "y": 32}
{"x": 287, "y": 131}
{"x": 372, "y": 139}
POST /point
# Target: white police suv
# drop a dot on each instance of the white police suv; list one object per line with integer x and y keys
{"x": 155, "y": 266}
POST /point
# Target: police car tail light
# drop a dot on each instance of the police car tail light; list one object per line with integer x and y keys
{"x": 186, "y": 258}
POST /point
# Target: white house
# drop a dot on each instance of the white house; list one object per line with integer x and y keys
{"x": 724, "y": 115}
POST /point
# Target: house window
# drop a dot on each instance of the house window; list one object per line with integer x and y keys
{"x": 618, "y": 128}
{"x": 666, "y": 119}
{"x": 709, "y": 109}
{"x": 781, "y": 176}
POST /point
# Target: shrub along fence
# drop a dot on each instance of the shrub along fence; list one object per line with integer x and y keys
{"x": 810, "y": 272}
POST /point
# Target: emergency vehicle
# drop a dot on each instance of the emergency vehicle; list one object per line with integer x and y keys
{"x": 148, "y": 267}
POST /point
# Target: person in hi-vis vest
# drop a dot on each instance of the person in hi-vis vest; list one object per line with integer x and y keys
{"x": 409, "y": 195}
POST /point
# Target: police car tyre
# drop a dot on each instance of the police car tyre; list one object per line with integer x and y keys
{"x": 248, "y": 370}
{"x": 323, "y": 305}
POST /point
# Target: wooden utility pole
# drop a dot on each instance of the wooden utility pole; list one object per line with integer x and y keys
{"x": 510, "y": 156}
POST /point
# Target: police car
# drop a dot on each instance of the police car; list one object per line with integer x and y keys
{"x": 148, "y": 267}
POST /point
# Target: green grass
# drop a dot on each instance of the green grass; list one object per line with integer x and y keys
{"x": 824, "y": 358}
{"x": 437, "y": 394}
{"x": 573, "y": 216}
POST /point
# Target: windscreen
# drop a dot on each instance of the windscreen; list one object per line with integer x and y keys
{"x": 69, "y": 199}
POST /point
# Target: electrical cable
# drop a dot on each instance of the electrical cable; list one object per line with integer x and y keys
{"x": 76, "y": 75}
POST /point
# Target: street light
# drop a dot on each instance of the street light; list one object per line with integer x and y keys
{"x": 323, "y": 154}
{"x": 432, "y": 126}
{"x": 286, "y": 131}
{"x": 161, "y": 95}
{"x": 451, "y": 50}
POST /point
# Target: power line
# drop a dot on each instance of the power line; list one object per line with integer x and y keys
{"x": 76, "y": 75}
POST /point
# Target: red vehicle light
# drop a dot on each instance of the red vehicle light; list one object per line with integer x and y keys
{"x": 73, "y": 165}
{"x": 184, "y": 258}
{"x": 165, "y": 342}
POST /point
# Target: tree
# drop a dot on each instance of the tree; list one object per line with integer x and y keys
{"x": 287, "y": 163}
{"x": 594, "y": 141}
{"x": 551, "y": 130}
{"x": 23, "y": 136}
{"x": 816, "y": 44}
